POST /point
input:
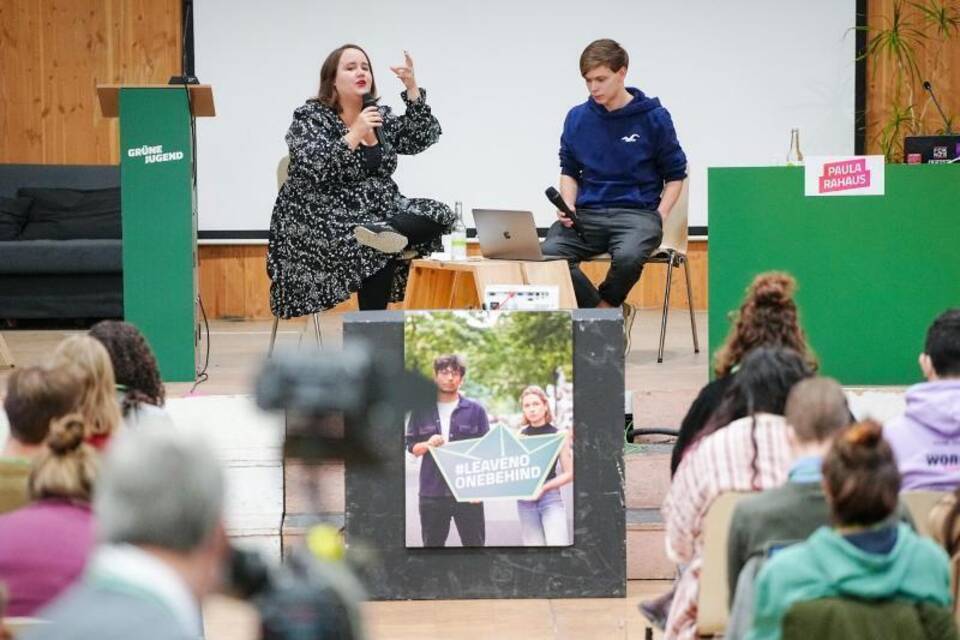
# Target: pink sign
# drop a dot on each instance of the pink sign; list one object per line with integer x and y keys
{"x": 844, "y": 175}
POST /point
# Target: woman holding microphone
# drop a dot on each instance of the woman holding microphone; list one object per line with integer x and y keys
{"x": 340, "y": 222}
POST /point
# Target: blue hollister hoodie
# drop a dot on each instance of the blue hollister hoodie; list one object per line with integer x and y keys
{"x": 621, "y": 158}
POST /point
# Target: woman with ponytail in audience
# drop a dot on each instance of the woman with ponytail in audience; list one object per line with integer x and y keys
{"x": 98, "y": 406}
{"x": 768, "y": 317}
{"x": 867, "y": 555}
{"x": 752, "y": 453}
{"x": 45, "y": 545}
{"x": 139, "y": 389}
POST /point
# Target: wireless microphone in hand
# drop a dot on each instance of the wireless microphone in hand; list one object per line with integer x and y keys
{"x": 554, "y": 196}
{"x": 370, "y": 101}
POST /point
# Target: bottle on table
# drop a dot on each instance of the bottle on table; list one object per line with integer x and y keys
{"x": 794, "y": 156}
{"x": 458, "y": 237}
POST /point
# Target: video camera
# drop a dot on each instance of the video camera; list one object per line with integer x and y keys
{"x": 329, "y": 399}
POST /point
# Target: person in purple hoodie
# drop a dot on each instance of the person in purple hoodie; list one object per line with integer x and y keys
{"x": 621, "y": 172}
{"x": 926, "y": 438}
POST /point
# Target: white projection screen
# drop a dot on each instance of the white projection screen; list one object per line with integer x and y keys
{"x": 501, "y": 75}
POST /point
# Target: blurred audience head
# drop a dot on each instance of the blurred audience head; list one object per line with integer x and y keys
{"x": 763, "y": 382}
{"x": 37, "y": 395}
{"x": 134, "y": 365}
{"x": 99, "y": 406}
{"x": 163, "y": 490}
{"x": 768, "y": 317}
{"x": 860, "y": 476}
{"x": 67, "y": 467}
{"x": 816, "y": 410}
{"x": 941, "y": 352}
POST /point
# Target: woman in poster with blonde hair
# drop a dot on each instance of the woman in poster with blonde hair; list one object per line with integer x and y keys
{"x": 543, "y": 520}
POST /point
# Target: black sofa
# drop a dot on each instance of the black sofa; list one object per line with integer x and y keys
{"x": 60, "y": 247}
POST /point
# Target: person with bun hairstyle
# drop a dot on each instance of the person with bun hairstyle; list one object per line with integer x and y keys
{"x": 768, "y": 317}
{"x": 140, "y": 392}
{"x": 867, "y": 554}
{"x": 98, "y": 404}
{"x": 46, "y": 544}
{"x": 752, "y": 453}
{"x": 35, "y": 396}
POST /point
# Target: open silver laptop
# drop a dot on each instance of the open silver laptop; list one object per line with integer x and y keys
{"x": 508, "y": 235}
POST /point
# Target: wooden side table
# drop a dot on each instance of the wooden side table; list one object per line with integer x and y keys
{"x": 449, "y": 284}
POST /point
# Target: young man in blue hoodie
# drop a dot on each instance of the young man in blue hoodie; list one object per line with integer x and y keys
{"x": 621, "y": 171}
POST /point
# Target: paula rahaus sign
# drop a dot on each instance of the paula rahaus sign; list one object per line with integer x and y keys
{"x": 498, "y": 466}
{"x": 154, "y": 153}
{"x": 844, "y": 176}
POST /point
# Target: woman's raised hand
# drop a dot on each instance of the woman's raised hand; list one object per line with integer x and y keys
{"x": 406, "y": 75}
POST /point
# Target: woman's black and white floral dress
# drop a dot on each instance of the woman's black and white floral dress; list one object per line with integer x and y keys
{"x": 313, "y": 259}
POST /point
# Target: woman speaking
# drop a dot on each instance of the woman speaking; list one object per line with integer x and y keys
{"x": 340, "y": 222}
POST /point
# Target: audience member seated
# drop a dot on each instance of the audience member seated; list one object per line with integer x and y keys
{"x": 139, "y": 389}
{"x": 46, "y": 543}
{"x": 750, "y": 454}
{"x": 944, "y": 524}
{"x": 926, "y": 438}
{"x": 99, "y": 406}
{"x": 5, "y": 633}
{"x": 867, "y": 555}
{"x": 768, "y": 317}
{"x": 35, "y": 396}
{"x": 159, "y": 511}
{"x": 816, "y": 411}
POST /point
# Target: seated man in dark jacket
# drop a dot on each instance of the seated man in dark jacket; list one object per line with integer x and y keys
{"x": 454, "y": 418}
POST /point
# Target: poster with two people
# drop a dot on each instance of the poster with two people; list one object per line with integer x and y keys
{"x": 491, "y": 464}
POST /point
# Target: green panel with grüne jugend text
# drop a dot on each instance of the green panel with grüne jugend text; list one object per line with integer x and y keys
{"x": 159, "y": 225}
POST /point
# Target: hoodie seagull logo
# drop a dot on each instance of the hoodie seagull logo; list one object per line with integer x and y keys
{"x": 631, "y": 138}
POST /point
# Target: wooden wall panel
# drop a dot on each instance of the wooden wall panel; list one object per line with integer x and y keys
{"x": 941, "y": 67}
{"x": 234, "y": 283}
{"x": 21, "y": 82}
{"x": 53, "y": 53}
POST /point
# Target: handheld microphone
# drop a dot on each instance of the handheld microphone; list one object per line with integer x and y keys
{"x": 929, "y": 89}
{"x": 370, "y": 101}
{"x": 554, "y": 196}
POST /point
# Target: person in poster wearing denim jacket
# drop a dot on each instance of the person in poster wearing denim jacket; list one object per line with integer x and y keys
{"x": 454, "y": 418}
{"x": 543, "y": 520}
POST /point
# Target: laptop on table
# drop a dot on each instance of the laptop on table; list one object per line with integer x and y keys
{"x": 508, "y": 235}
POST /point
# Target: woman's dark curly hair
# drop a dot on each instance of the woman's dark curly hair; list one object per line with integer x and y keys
{"x": 768, "y": 317}
{"x": 134, "y": 364}
{"x": 761, "y": 385}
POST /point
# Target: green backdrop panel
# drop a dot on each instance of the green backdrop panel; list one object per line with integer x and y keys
{"x": 872, "y": 271}
{"x": 159, "y": 225}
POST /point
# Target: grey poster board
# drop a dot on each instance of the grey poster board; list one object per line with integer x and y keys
{"x": 595, "y": 566}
